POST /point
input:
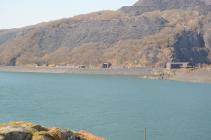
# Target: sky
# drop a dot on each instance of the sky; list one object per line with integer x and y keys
{"x": 19, "y": 13}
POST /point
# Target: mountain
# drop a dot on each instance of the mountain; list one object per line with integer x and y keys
{"x": 148, "y": 33}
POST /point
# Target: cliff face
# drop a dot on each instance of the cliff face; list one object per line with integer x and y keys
{"x": 29, "y": 131}
{"x": 149, "y": 33}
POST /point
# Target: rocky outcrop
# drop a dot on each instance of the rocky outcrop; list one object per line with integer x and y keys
{"x": 29, "y": 131}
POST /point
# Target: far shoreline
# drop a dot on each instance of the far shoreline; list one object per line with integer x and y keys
{"x": 202, "y": 75}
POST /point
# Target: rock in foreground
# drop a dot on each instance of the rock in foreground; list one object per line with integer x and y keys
{"x": 29, "y": 131}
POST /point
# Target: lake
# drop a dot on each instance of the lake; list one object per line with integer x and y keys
{"x": 115, "y": 107}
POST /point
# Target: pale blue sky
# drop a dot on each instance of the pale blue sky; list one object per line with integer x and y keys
{"x": 18, "y": 13}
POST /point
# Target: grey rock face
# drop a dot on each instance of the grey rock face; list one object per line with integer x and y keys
{"x": 170, "y": 4}
{"x": 100, "y": 32}
{"x": 190, "y": 47}
{"x": 150, "y": 5}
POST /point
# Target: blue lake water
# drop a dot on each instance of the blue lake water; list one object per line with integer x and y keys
{"x": 117, "y": 108}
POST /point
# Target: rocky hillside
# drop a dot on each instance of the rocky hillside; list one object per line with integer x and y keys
{"x": 29, "y": 131}
{"x": 149, "y": 33}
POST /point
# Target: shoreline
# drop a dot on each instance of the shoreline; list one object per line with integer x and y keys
{"x": 202, "y": 75}
{"x": 67, "y": 70}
